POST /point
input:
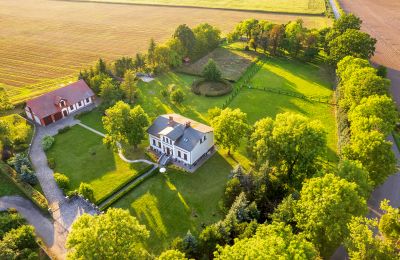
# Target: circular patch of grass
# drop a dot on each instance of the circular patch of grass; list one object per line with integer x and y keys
{"x": 211, "y": 88}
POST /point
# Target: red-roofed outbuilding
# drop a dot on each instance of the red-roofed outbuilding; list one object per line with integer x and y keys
{"x": 57, "y": 104}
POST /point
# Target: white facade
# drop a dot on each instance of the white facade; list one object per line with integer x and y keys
{"x": 167, "y": 146}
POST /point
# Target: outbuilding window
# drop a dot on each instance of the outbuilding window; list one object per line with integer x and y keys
{"x": 185, "y": 156}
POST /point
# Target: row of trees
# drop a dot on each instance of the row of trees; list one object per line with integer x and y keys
{"x": 292, "y": 37}
{"x": 369, "y": 116}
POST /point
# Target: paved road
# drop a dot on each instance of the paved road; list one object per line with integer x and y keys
{"x": 381, "y": 19}
{"x": 335, "y": 8}
{"x": 51, "y": 232}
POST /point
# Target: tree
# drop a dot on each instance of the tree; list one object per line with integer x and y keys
{"x": 375, "y": 154}
{"x": 128, "y": 86}
{"x": 294, "y": 35}
{"x": 5, "y": 103}
{"x": 139, "y": 62}
{"x": 190, "y": 245}
{"x": 186, "y": 37}
{"x": 276, "y": 36}
{"x": 18, "y": 242}
{"x": 325, "y": 207}
{"x": 101, "y": 67}
{"x": 96, "y": 81}
{"x": 110, "y": 93}
{"x": 211, "y": 71}
{"x": 229, "y": 128}
{"x": 113, "y": 235}
{"x": 124, "y": 126}
{"x": 353, "y": 171}
{"x": 363, "y": 83}
{"x": 86, "y": 190}
{"x": 207, "y": 38}
{"x": 123, "y": 64}
{"x": 273, "y": 241}
{"x": 352, "y": 42}
{"x": 348, "y": 65}
{"x": 370, "y": 240}
{"x": 9, "y": 220}
{"x": 151, "y": 53}
{"x": 177, "y": 96}
{"x": 291, "y": 143}
{"x": 232, "y": 190}
{"x": 172, "y": 255}
{"x": 381, "y": 71}
{"x": 347, "y": 21}
{"x": 374, "y": 113}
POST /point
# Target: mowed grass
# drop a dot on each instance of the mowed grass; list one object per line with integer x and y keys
{"x": 173, "y": 203}
{"x": 289, "y": 75}
{"x": 287, "y": 6}
{"x": 44, "y": 44}
{"x": 232, "y": 62}
{"x": 82, "y": 156}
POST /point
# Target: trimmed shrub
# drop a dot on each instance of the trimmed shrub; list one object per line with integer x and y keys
{"x": 29, "y": 178}
{"x": 177, "y": 96}
{"x": 211, "y": 72}
{"x": 86, "y": 191}
{"x": 52, "y": 163}
{"x": 62, "y": 181}
{"x": 47, "y": 142}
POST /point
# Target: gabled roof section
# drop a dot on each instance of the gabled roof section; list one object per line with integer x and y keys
{"x": 186, "y": 133}
{"x": 47, "y": 104}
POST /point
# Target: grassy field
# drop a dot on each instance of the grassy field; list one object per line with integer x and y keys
{"x": 287, "y": 6}
{"x": 171, "y": 204}
{"x": 7, "y": 187}
{"x": 44, "y": 44}
{"x": 231, "y": 61}
{"x": 82, "y": 156}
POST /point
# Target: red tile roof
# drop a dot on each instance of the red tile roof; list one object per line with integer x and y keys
{"x": 47, "y": 104}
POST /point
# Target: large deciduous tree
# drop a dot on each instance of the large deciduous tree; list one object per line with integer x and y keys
{"x": 124, "y": 126}
{"x": 369, "y": 239}
{"x": 230, "y": 127}
{"x": 375, "y": 154}
{"x": 276, "y": 36}
{"x": 325, "y": 207}
{"x": 374, "y": 113}
{"x": 186, "y": 37}
{"x": 292, "y": 143}
{"x": 113, "y": 235}
{"x": 110, "y": 93}
{"x": 351, "y": 42}
{"x": 273, "y": 241}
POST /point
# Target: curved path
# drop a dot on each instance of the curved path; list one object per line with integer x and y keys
{"x": 64, "y": 211}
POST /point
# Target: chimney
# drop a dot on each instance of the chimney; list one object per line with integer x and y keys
{"x": 170, "y": 120}
{"x": 187, "y": 124}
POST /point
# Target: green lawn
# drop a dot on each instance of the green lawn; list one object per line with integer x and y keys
{"x": 294, "y": 76}
{"x": 92, "y": 119}
{"x": 170, "y": 205}
{"x": 82, "y": 156}
{"x": 7, "y": 187}
{"x": 287, "y": 6}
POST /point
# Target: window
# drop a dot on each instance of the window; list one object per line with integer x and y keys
{"x": 204, "y": 138}
{"x": 80, "y": 103}
{"x": 185, "y": 156}
{"x": 71, "y": 107}
{"x": 154, "y": 142}
{"x": 159, "y": 145}
{"x": 179, "y": 154}
{"x": 87, "y": 100}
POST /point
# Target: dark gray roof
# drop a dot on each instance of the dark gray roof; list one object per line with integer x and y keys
{"x": 185, "y": 138}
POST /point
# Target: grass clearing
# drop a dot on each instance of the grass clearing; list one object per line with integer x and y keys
{"x": 232, "y": 62}
{"x": 44, "y": 44}
{"x": 82, "y": 156}
{"x": 7, "y": 187}
{"x": 173, "y": 203}
{"x": 286, "y": 6}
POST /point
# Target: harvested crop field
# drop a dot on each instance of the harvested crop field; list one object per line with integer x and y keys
{"x": 287, "y": 6}
{"x": 230, "y": 59}
{"x": 44, "y": 44}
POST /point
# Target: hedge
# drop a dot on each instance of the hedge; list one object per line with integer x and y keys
{"x": 122, "y": 185}
{"x": 120, "y": 195}
{"x": 35, "y": 196}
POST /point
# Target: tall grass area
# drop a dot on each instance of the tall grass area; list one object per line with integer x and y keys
{"x": 285, "y": 6}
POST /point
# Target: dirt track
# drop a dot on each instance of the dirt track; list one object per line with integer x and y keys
{"x": 381, "y": 19}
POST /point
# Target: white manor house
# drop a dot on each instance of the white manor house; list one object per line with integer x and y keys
{"x": 180, "y": 139}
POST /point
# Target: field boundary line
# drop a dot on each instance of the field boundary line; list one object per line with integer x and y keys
{"x": 321, "y": 14}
